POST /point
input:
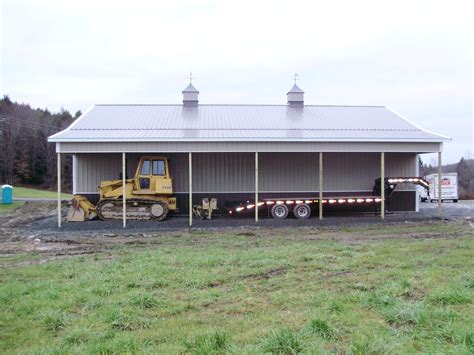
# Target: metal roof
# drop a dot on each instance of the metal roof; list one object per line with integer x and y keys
{"x": 152, "y": 123}
{"x": 190, "y": 88}
{"x": 296, "y": 90}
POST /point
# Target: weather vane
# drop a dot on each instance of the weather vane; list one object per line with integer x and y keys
{"x": 295, "y": 77}
{"x": 191, "y": 77}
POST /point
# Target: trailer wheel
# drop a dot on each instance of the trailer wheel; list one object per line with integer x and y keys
{"x": 455, "y": 201}
{"x": 302, "y": 211}
{"x": 279, "y": 211}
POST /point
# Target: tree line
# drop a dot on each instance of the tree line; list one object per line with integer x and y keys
{"x": 26, "y": 157}
{"x": 465, "y": 170}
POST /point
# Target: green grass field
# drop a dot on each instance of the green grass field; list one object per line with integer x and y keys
{"x": 212, "y": 292}
{"x": 25, "y": 192}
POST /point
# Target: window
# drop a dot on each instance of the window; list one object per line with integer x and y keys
{"x": 144, "y": 183}
{"x": 145, "y": 168}
{"x": 159, "y": 167}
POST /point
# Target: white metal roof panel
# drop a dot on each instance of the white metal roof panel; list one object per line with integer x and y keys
{"x": 242, "y": 123}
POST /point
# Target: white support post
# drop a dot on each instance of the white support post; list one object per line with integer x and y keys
{"x": 59, "y": 189}
{"x": 382, "y": 185}
{"x": 417, "y": 194}
{"x": 256, "y": 186}
{"x": 190, "y": 189}
{"x": 320, "y": 186}
{"x": 124, "y": 191}
{"x": 74, "y": 174}
{"x": 440, "y": 176}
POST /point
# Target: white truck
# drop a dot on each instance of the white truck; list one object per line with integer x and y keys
{"x": 449, "y": 188}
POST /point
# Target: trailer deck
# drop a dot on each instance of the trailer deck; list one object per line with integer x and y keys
{"x": 302, "y": 206}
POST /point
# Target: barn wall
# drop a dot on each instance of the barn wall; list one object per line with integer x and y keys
{"x": 91, "y": 169}
{"x": 282, "y": 172}
{"x": 235, "y": 172}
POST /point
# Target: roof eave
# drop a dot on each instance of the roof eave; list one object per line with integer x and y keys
{"x": 294, "y": 140}
{"x": 75, "y": 122}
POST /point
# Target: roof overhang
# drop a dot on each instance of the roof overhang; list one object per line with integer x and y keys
{"x": 249, "y": 146}
{"x": 140, "y": 140}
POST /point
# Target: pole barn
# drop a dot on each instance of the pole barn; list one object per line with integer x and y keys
{"x": 250, "y": 152}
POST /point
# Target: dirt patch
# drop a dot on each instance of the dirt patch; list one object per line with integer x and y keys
{"x": 18, "y": 233}
{"x": 266, "y": 275}
{"x": 65, "y": 241}
{"x": 246, "y": 234}
{"x": 213, "y": 284}
{"x": 28, "y": 213}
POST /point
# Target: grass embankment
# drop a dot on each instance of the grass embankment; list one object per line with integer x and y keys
{"x": 211, "y": 292}
{"x": 26, "y": 192}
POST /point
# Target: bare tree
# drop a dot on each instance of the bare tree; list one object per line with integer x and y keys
{"x": 25, "y": 155}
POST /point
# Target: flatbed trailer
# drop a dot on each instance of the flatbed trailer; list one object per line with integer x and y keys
{"x": 302, "y": 206}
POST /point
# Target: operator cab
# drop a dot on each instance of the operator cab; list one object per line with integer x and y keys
{"x": 152, "y": 176}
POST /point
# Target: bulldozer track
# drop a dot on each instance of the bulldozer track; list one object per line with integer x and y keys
{"x": 136, "y": 209}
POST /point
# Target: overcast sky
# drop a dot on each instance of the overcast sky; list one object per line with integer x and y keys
{"x": 413, "y": 56}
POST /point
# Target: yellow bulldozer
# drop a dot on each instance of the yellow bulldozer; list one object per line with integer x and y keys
{"x": 148, "y": 195}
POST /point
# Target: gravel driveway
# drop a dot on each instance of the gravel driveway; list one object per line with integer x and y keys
{"x": 428, "y": 211}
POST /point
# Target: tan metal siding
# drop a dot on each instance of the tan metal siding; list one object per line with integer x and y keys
{"x": 288, "y": 172}
{"x": 350, "y": 171}
{"x": 234, "y": 172}
{"x": 178, "y": 164}
{"x": 400, "y": 164}
{"x": 93, "y": 168}
{"x": 184, "y": 147}
{"x": 223, "y": 172}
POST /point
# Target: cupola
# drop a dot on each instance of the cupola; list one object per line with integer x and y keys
{"x": 190, "y": 94}
{"x": 295, "y": 96}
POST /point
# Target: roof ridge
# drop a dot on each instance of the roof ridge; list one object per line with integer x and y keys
{"x": 276, "y": 105}
{"x": 251, "y": 129}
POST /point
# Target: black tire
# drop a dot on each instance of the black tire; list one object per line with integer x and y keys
{"x": 302, "y": 211}
{"x": 279, "y": 211}
{"x": 455, "y": 201}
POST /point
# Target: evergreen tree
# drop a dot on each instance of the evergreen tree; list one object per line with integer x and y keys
{"x": 465, "y": 176}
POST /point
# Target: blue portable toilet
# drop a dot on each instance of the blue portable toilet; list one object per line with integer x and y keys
{"x": 7, "y": 195}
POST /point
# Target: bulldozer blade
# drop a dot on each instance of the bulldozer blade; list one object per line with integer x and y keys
{"x": 75, "y": 214}
{"x": 80, "y": 209}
